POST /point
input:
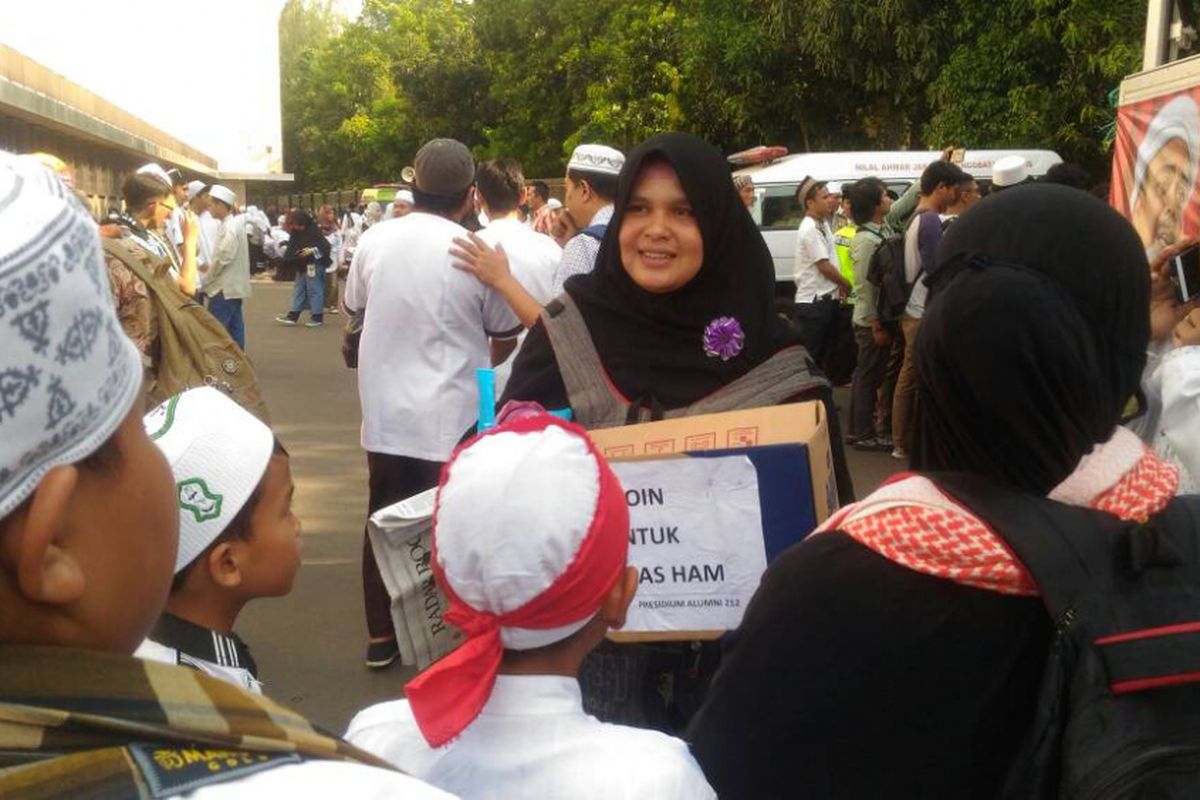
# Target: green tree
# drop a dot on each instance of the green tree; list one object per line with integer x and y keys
{"x": 1036, "y": 73}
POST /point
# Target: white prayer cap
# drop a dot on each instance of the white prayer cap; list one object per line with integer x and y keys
{"x": 218, "y": 452}
{"x": 513, "y": 511}
{"x": 405, "y": 196}
{"x": 195, "y": 188}
{"x": 554, "y": 202}
{"x": 1178, "y": 119}
{"x": 834, "y": 187}
{"x": 68, "y": 373}
{"x": 155, "y": 171}
{"x": 597, "y": 158}
{"x": 1009, "y": 171}
{"x": 224, "y": 194}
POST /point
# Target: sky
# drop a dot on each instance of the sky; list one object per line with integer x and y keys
{"x": 204, "y": 72}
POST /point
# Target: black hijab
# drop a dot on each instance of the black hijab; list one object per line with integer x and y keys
{"x": 1035, "y": 338}
{"x": 652, "y": 345}
{"x": 310, "y": 235}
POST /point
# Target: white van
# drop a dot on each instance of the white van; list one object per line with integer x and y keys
{"x": 775, "y": 182}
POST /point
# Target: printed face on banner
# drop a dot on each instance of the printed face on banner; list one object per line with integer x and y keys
{"x": 1155, "y": 167}
{"x": 696, "y": 539}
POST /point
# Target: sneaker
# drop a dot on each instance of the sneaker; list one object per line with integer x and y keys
{"x": 851, "y": 438}
{"x": 871, "y": 445}
{"x": 314, "y": 323}
{"x": 886, "y": 442}
{"x": 332, "y": 310}
{"x": 900, "y": 454}
{"x": 284, "y": 319}
{"x": 381, "y": 654}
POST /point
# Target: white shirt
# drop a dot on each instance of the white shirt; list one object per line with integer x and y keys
{"x": 532, "y": 259}
{"x": 914, "y": 269}
{"x": 814, "y": 242}
{"x": 230, "y": 269}
{"x": 533, "y": 740}
{"x": 320, "y": 779}
{"x": 425, "y": 333}
{"x": 334, "y": 238}
{"x": 209, "y": 228}
{"x": 579, "y": 256}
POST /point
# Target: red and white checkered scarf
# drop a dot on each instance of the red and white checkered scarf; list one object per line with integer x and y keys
{"x": 911, "y": 522}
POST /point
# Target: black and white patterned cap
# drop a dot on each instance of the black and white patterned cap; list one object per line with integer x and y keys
{"x": 68, "y": 373}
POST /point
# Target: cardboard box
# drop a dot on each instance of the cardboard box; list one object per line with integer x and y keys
{"x": 764, "y": 476}
{"x": 768, "y": 483}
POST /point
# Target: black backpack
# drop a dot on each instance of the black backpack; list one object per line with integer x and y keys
{"x": 1118, "y": 715}
{"x": 886, "y": 273}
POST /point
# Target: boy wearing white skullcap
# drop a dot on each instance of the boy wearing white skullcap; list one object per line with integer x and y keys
{"x": 534, "y": 583}
{"x": 238, "y": 537}
{"x": 88, "y": 540}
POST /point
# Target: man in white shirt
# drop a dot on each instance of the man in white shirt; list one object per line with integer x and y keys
{"x": 819, "y": 284}
{"x": 228, "y": 279}
{"x": 591, "y": 187}
{"x": 535, "y": 583}
{"x": 426, "y": 331}
{"x": 198, "y": 204}
{"x": 500, "y": 191}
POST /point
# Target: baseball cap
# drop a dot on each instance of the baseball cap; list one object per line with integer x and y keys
{"x": 218, "y": 452}
{"x": 69, "y": 374}
{"x": 444, "y": 167}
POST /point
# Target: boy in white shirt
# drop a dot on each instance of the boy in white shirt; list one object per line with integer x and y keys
{"x": 238, "y": 537}
{"x": 535, "y": 583}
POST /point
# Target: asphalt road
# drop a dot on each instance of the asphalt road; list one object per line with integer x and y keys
{"x": 309, "y": 645}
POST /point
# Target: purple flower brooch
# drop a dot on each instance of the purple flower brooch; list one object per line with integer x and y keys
{"x": 723, "y": 338}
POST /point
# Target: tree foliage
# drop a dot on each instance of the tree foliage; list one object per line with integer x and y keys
{"x": 530, "y": 78}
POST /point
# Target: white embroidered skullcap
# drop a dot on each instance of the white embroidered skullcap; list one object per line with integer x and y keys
{"x": 224, "y": 194}
{"x": 405, "y": 196}
{"x": 1009, "y": 171}
{"x": 554, "y": 202}
{"x": 155, "y": 171}
{"x": 194, "y": 188}
{"x": 68, "y": 373}
{"x": 218, "y": 453}
{"x": 597, "y": 158}
{"x": 512, "y": 512}
{"x": 1178, "y": 119}
{"x": 834, "y": 187}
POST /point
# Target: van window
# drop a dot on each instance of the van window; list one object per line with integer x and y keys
{"x": 780, "y": 211}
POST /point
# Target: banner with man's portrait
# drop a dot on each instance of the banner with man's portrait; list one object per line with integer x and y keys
{"x": 1155, "y": 167}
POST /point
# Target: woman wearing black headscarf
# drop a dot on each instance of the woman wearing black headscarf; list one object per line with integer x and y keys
{"x": 899, "y": 650}
{"x": 307, "y": 253}
{"x": 672, "y": 332}
{"x": 676, "y": 319}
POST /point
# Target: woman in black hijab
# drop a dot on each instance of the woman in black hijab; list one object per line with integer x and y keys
{"x": 899, "y": 651}
{"x": 676, "y": 319}
{"x": 664, "y": 347}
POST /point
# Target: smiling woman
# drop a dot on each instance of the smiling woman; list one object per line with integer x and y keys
{"x": 677, "y": 319}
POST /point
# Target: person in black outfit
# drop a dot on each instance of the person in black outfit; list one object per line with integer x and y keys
{"x": 307, "y": 253}
{"x": 862, "y": 671}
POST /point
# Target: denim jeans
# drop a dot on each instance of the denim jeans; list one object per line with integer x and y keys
{"x": 309, "y": 293}
{"x": 229, "y": 314}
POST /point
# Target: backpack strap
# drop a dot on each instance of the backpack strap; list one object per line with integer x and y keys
{"x": 1069, "y": 550}
{"x": 788, "y": 373}
{"x": 593, "y": 399}
{"x": 595, "y": 231}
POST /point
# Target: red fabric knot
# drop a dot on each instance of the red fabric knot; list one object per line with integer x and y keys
{"x": 448, "y": 696}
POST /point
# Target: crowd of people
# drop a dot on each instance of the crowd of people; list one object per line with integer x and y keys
{"x": 912, "y": 645}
